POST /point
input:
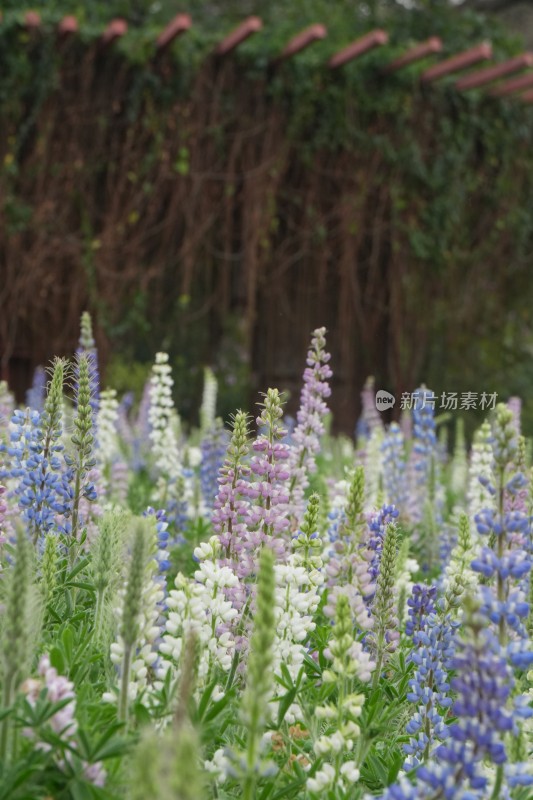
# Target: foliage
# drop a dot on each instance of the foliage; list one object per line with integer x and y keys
{"x": 251, "y": 645}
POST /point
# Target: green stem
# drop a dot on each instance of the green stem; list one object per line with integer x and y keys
{"x": 99, "y": 615}
{"x": 124, "y": 685}
{"x": 498, "y": 783}
{"x": 377, "y": 672}
{"x": 7, "y": 699}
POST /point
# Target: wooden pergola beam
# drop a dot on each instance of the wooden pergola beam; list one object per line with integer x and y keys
{"x": 176, "y": 27}
{"x": 489, "y": 74}
{"x": 356, "y": 49}
{"x": 459, "y": 62}
{"x": 67, "y": 27}
{"x": 115, "y": 30}
{"x": 302, "y": 40}
{"x": 513, "y": 85}
{"x": 416, "y": 53}
{"x": 239, "y": 35}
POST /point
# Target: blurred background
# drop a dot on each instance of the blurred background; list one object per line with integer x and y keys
{"x": 218, "y": 198}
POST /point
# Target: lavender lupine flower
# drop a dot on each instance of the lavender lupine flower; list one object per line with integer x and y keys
{"x": 119, "y": 481}
{"x": 514, "y": 404}
{"x": 305, "y": 439}
{"x": 58, "y": 688}
{"x": 394, "y": 467}
{"x": 63, "y": 723}
{"x": 213, "y": 448}
{"x": 231, "y": 503}
{"x": 266, "y": 519}
{"x": 370, "y": 418}
{"x": 37, "y": 392}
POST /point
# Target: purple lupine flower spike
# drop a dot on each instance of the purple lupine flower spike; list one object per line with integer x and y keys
{"x": 305, "y": 439}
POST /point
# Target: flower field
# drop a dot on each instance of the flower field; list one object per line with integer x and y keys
{"x": 258, "y": 609}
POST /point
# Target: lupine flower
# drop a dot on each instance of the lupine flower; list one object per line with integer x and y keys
{"x": 63, "y": 722}
{"x": 483, "y": 686}
{"x": 231, "y": 503}
{"x": 425, "y": 492}
{"x": 421, "y": 604}
{"x": 87, "y": 348}
{"x": 17, "y": 630}
{"x": 209, "y": 401}
{"x": 3, "y": 509}
{"x": 162, "y": 537}
{"x": 514, "y": 404}
{"x": 213, "y": 447}
{"x": 370, "y": 418}
{"x": 7, "y": 406}
{"x": 108, "y": 446}
{"x": 347, "y": 566}
{"x": 37, "y": 392}
{"x": 165, "y": 450}
{"x": 394, "y": 468}
{"x": 481, "y": 489}
{"x": 459, "y": 579}
{"x": 254, "y": 707}
{"x": 76, "y": 480}
{"x": 296, "y": 601}
{"x": 200, "y": 606}
{"x": 423, "y": 454}
{"x": 349, "y": 662}
{"x": 35, "y": 468}
{"x": 504, "y": 563}
{"x": 119, "y": 481}
{"x": 432, "y": 650}
{"x": 459, "y": 465}
{"x": 138, "y": 611}
{"x": 266, "y": 518}
{"x": 384, "y": 636}
{"x": 305, "y": 439}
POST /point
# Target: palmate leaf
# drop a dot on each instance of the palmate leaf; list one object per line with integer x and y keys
{"x": 14, "y": 778}
{"x": 109, "y": 745}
